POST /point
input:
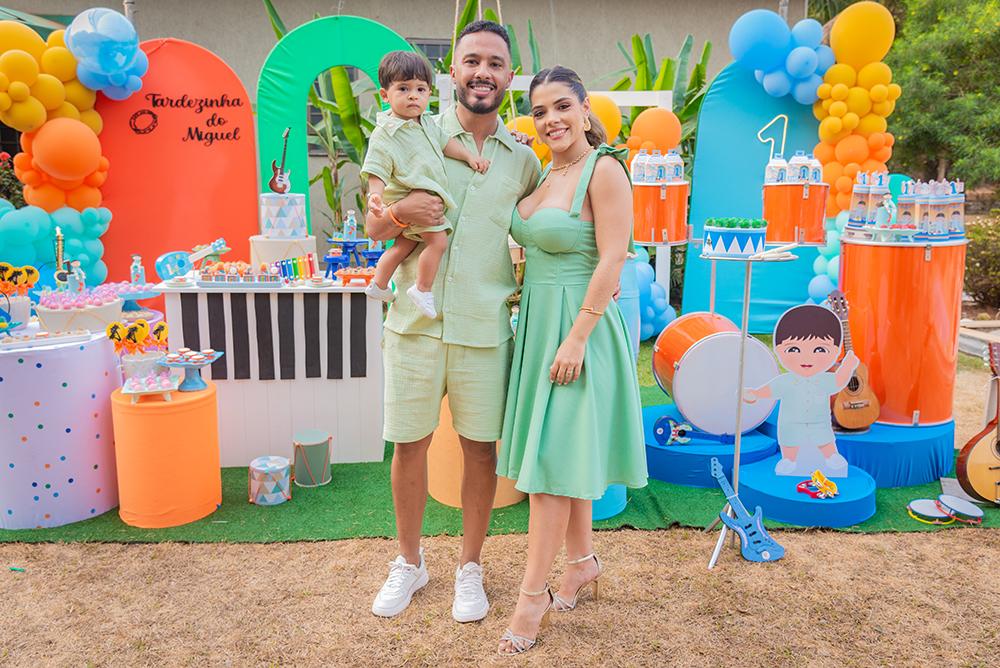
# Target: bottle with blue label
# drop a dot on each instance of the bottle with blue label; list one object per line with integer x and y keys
{"x": 922, "y": 200}
{"x": 956, "y": 210}
{"x": 776, "y": 171}
{"x": 859, "y": 201}
{"x": 659, "y": 169}
{"x": 939, "y": 209}
{"x": 907, "y": 205}
{"x": 137, "y": 273}
{"x": 798, "y": 168}
{"x": 675, "y": 166}
{"x": 638, "y": 167}
{"x": 815, "y": 169}
{"x": 350, "y": 225}
{"x": 878, "y": 188}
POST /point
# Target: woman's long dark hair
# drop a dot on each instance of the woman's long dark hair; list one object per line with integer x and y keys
{"x": 596, "y": 135}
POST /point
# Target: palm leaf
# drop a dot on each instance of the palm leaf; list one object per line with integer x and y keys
{"x": 628, "y": 58}
{"x": 682, "y": 70}
{"x": 623, "y": 84}
{"x": 350, "y": 116}
{"x": 642, "y": 78}
{"x": 491, "y": 15}
{"x": 467, "y": 16}
{"x": 536, "y": 61}
{"x": 665, "y": 77}
{"x": 276, "y": 23}
{"x": 647, "y": 44}
{"x": 330, "y": 190}
{"x": 515, "y": 49}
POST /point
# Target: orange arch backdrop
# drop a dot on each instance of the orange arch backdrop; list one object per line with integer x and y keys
{"x": 183, "y": 159}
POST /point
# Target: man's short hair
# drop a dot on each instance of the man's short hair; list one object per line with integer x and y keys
{"x": 485, "y": 26}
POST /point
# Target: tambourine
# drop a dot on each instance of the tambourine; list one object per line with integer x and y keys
{"x": 926, "y": 511}
{"x": 959, "y": 510}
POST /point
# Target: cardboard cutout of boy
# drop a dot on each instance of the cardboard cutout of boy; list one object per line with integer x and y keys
{"x": 807, "y": 342}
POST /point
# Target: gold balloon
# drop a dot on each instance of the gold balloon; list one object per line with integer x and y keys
{"x": 862, "y": 34}
{"x": 49, "y": 91}
{"x": 871, "y": 123}
{"x": 25, "y": 116}
{"x": 16, "y": 35}
{"x": 526, "y": 125}
{"x": 59, "y": 62}
{"x": 859, "y": 101}
{"x": 56, "y": 38}
{"x": 608, "y": 113}
{"x": 19, "y": 66}
{"x": 80, "y": 96}
{"x": 64, "y": 110}
{"x": 93, "y": 120}
{"x": 873, "y": 74}
{"x": 841, "y": 74}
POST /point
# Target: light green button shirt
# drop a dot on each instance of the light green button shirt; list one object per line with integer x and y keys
{"x": 476, "y": 275}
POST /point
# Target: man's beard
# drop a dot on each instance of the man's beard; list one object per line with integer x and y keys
{"x": 479, "y": 107}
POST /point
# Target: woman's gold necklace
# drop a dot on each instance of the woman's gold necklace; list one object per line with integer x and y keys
{"x": 563, "y": 168}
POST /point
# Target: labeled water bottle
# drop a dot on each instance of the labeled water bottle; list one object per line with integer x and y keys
{"x": 137, "y": 273}
{"x": 815, "y": 169}
{"x": 638, "y": 167}
{"x": 798, "y": 168}
{"x": 777, "y": 170}
{"x": 659, "y": 169}
{"x": 675, "y": 166}
{"x": 350, "y": 225}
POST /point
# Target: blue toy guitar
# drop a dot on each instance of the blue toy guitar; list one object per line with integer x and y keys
{"x": 755, "y": 543}
{"x": 666, "y": 431}
{"x": 177, "y": 263}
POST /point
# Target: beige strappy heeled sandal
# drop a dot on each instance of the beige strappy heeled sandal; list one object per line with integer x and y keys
{"x": 559, "y": 604}
{"x": 521, "y": 644}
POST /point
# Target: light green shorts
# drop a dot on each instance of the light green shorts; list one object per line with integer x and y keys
{"x": 420, "y": 370}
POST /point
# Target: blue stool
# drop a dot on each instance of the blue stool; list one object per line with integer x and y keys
{"x": 334, "y": 263}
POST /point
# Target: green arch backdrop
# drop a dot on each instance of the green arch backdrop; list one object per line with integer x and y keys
{"x": 292, "y": 67}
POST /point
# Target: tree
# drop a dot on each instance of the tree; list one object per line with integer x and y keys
{"x": 947, "y": 123}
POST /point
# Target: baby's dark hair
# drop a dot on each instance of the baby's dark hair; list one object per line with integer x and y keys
{"x": 403, "y": 66}
{"x": 806, "y": 322}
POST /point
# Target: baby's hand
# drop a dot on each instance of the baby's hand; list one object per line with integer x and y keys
{"x": 375, "y": 205}
{"x": 522, "y": 138}
{"x": 479, "y": 164}
{"x": 851, "y": 361}
{"x": 750, "y": 396}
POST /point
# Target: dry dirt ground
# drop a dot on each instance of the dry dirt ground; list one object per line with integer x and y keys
{"x": 836, "y": 600}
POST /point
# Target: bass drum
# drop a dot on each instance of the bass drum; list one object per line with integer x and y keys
{"x": 695, "y": 361}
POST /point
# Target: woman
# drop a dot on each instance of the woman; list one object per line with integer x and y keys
{"x": 573, "y": 423}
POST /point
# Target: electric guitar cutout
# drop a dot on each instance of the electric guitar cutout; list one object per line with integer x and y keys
{"x": 279, "y": 182}
{"x": 755, "y": 543}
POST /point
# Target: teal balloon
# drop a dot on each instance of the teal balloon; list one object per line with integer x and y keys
{"x": 98, "y": 273}
{"x": 896, "y": 185}
{"x": 85, "y": 260}
{"x": 840, "y": 222}
{"x": 94, "y": 248}
{"x": 833, "y": 269}
{"x": 820, "y": 287}
{"x": 832, "y": 246}
{"x": 69, "y": 221}
{"x": 5, "y": 206}
{"x": 23, "y": 226}
{"x": 73, "y": 247}
{"x": 829, "y": 224}
{"x": 642, "y": 255}
{"x": 18, "y": 254}
{"x": 819, "y": 265}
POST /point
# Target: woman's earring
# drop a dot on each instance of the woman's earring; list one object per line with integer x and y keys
{"x": 586, "y": 125}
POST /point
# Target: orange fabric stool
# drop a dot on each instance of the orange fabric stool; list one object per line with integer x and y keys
{"x": 444, "y": 468}
{"x": 168, "y": 458}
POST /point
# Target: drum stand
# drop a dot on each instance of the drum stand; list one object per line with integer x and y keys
{"x": 779, "y": 254}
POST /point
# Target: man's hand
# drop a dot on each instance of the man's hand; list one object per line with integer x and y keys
{"x": 420, "y": 208}
{"x": 479, "y": 164}
{"x": 375, "y": 205}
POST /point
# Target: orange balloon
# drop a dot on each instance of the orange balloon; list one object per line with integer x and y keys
{"x": 649, "y": 145}
{"x": 852, "y": 149}
{"x": 83, "y": 197}
{"x": 883, "y": 154}
{"x": 824, "y": 152}
{"x": 832, "y": 171}
{"x": 660, "y": 126}
{"x": 832, "y": 208}
{"x": 852, "y": 170}
{"x": 96, "y": 179}
{"x": 66, "y": 184}
{"x": 634, "y": 142}
{"x": 843, "y": 201}
{"x": 526, "y": 125}
{"x": 66, "y": 149}
{"x": 844, "y": 184}
{"x": 45, "y": 196}
{"x": 876, "y": 140}
{"x": 889, "y": 138}
{"x": 873, "y": 166}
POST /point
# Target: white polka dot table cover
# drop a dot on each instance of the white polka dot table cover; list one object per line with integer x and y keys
{"x": 57, "y": 457}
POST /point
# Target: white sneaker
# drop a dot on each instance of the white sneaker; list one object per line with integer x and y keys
{"x": 470, "y": 603}
{"x": 403, "y": 582}
{"x": 423, "y": 300}
{"x": 836, "y": 461}
{"x": 784, "y": 467}
{"x": 381, "y": 294}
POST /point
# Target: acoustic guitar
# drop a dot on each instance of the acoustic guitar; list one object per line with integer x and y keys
{"x": 856, "y": 406}
{"x": 279, "y": 182}
{"x": 978, "y": 466}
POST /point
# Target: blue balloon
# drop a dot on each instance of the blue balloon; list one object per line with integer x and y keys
{"x": 91, "y": 79}
{"x": 133, "y": 83}
{"x": 804, "y": 92}
{"x": 23, "y": 226}
{"x": 648, "y": 315}
{"x": 642, "y": 255}
{"x": 103, "y": 40}
{"x": 118, "y": 93}
{"x": 646, "y": 332}
{"x": 657, "y": 291}
{"x": 141, "y": 64}
{"x": 759, "y": 75}
{"x": 801, "y": 62}
{"x": 808, "y": 33}
{"x": 659, "y": 306}
{"x": 819, "y": 266}
{"x": 820, "y": 287}
{"x": 840, "y": 222}
{"x": 824, "y": 59}
{"x": 777, "y": 83}
{"x": 759, "y": 40}
{"x": 833, "y": 269}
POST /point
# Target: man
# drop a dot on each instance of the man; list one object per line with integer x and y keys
{"x": 465, "y": 352}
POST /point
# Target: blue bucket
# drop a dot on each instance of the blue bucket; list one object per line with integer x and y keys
{"x": 612, "y": 503}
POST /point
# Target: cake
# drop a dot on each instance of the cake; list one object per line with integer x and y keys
{"x": 283, "y": 215}
{"x": 734, "y": 237}
{"x": 92, "y": 309}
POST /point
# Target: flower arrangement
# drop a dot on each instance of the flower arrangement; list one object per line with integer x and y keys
{"x": 10, "y": 187}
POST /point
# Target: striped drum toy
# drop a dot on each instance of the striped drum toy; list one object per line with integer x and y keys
{"x": 269, "y": 481}
{"x": 312, "y": 458}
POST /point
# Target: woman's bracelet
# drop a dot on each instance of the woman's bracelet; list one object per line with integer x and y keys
{"x": 396, "y": 221}
{"x": 591, "y": 310}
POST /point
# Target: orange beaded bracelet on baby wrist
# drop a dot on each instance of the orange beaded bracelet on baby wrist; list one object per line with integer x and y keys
{"x": 396, "y": 221}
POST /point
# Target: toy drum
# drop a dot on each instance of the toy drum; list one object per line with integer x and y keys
{"x": 695, "y": 361}
{"x": 660, "y": 213}
{"x": 795, "y": 213}
{"x": 269, "y": 481}
{"x": 312, "y": 458}
{"x": 905, "y": 303}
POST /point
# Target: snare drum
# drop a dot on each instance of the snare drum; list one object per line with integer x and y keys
{"x": 312, "y": 458}
{"x": 927, "y": 512}
{"x": 660, "y": 213}
{"x": 695, "y": 361}
{"x": 959, "y": 510}
{"x": 795, "y": 213}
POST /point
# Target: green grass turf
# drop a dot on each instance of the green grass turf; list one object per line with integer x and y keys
{"x": 358, "y": 504}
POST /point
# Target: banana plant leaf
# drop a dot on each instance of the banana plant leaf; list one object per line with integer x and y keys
{"x": 467, "y": 16}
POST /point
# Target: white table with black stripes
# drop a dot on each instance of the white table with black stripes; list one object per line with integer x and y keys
{"x": 295, "y": 358}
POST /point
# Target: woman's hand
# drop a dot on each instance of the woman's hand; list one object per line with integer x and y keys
{"x": 568, "y": 363}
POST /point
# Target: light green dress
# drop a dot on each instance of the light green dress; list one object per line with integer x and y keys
{"x": 576, "y": 439}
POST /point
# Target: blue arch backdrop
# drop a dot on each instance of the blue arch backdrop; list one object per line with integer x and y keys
{"x": 728, "y": 175}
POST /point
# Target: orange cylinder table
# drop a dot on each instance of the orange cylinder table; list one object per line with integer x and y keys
{"x": 795, "y": 214}
{"x": 905, "y": 302}
{"x": 445, "y": 466}
{"x": 660, "y": 213}
{"x": 168, "y": 458}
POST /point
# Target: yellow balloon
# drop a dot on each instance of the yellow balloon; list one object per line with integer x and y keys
{"x": 608, "y": 113}
{"x": 839, "y": 91}
{"x": 862, "y": 34}
{"x": 838, "y": 109}
{"x": 841, "y": 74}
{"x": 64, "y": 110}
{"x": 18, "y": 91}
{"x": 26, "y": 116}
{"x": 16, "y": 35}
{"x": 819, "y": 111}
{"x": 873, "y": 74}
{"x": 851, "y": 120}
{"x": 93, "y": 120}
{"x": 883, "y": 109}
{"x": 19, "y": 66}
{"x": 895, "y": 91}
{"x": 824, "y": 90}
{"x": 829, "y": 127}
{"x": 60, "y": 63}
{"x": 49, "y": 91}
{"x": 879, "y": 93}
{"x": 56, "y": 38}
{"x": 871, "y": 123}
{"x": 826, "y": 103}
{"x": 5, "y": 101}
{"x": 79, "y": 95}
{"x": 859, "y": 101}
